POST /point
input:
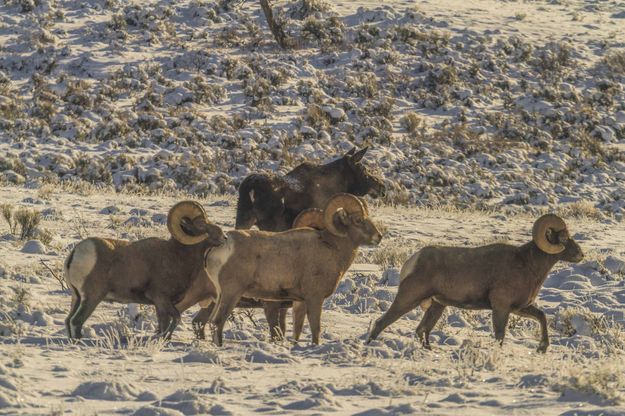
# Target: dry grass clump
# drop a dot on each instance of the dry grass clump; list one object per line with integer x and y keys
{"x": 616, "y": 62}
{"x": 581, "y": 210}
{"x": 473, "y": 356}
{"x": 45, "y": 236}
{"x": 412, "y": 123}
{"x": 392, "y": 254}
{"x": 258, "y": 90}
{"x": 607, "y": 332}
{"x": 603, "y": 379}
{"x": 7, "y": 214}
{"x": 553, "y": 58}
{"x": 304, "y": 8}
{"x": 317, "y": 117}
{"x": 28, "y": 220}
{"x": 205, "y": 92}
{"x": 325, "y": 32}
{"x": 10, "y": 108}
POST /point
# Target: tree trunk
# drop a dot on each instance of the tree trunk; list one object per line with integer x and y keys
{"x": 276, "y": 29}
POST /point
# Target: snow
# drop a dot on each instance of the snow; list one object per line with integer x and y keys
{"x": 119, "y": 362}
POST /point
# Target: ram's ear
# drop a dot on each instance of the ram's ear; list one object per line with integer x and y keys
{"x": 342, "y": 217}
{"x": 552, "y": 236}
{"x": 563, "y": 236}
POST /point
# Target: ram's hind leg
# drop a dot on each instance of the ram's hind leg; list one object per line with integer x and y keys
{"x": 429, "y": 320}
{"x": 224, "y": 307}
{"x": 72, "y": 310}
{"x": 87, "y": 304}
{"x": 409, "y": 294}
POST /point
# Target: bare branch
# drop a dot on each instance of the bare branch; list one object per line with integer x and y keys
{"x": 56, "y": 276}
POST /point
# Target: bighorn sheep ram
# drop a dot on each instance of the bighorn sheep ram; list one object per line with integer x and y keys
{"x": 204, "y": 292}
{"x": 150, "y": 271}
{"x": 301, "y": 265}
{"x": 500, "y": 277}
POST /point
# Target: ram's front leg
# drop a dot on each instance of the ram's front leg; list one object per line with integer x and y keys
{"x": 299, "y": 314}
{"x": 500, "y": 322}
{"x": 272, "y": 313}
{"x": 168, "y": 316}
{"x": 313, "y": 309}
{"x": 534, "y": 313}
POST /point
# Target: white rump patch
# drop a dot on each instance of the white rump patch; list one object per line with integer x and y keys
{"x": 409, "y": 266}
{"x": 214, "y": 259}
{"x": 83, "y": 262}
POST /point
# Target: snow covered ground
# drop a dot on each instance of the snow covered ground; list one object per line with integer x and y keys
{"x": 119, "y": 369}
{"x": 480, "y": 114}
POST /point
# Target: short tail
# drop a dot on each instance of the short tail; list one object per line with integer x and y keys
{"x": 68, "y": 264}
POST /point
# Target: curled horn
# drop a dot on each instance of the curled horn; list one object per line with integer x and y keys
{"x": 350, "y": 203}
{"x": 190, "y": 210}
{"x": 365, "y": 205}
{"x": 311, "y": 217}
{"x": 539, "y": 233}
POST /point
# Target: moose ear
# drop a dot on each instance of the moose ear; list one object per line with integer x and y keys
{"x": 351, "y": 152}
{"x": 359, "y": 155}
